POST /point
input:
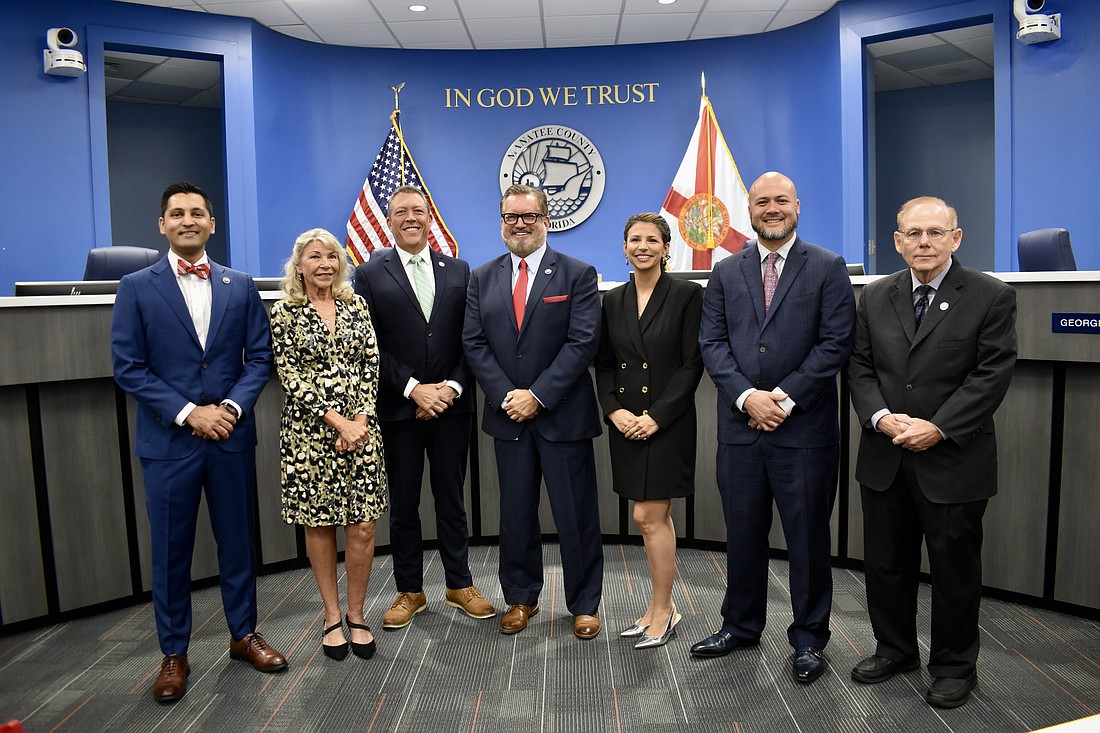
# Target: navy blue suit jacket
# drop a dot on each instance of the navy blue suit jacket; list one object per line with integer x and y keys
{"x": 158, "y": 359}
{"x": 799, "y": 345}
{"x": 429, "y": 351}
{"x": 550, "y": 355}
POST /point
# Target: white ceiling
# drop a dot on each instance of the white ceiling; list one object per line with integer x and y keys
{"x": 946, "y": 57}
{"x": 494, "y": 24}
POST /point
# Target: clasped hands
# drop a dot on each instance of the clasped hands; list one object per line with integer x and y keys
{"x": 211, "y": 422}
{"x": 911, "y": 433}
{"x": 432, "y": 400}
{"x": 764, "y": 411}
{"x": 520, "y": 405}
{"x": 351, "y": 434}
{"x": 633, "y": 427}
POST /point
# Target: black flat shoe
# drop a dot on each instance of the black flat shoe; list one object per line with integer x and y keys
{"x": 337, "y": 652}
{"x": 363, "y": 651}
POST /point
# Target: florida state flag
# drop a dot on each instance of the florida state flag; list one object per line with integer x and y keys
{"x": 707, "y": 207}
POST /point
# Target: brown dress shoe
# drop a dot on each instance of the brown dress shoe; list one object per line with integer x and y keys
{"x": 470, "y": 600}
{"x": 516, "y": 619}
{"x": 171, "y": 683}
{"x": 404, "y": 607}
{"x": 255, "y": 650}
{"x": 586, "y": 626}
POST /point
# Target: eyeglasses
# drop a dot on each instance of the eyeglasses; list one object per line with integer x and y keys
{"x": 934, "y": 235}
{"x": 529, "y": 218}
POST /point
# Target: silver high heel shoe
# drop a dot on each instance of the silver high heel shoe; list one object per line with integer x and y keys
{"x": 633, "y": 631}
{"x": 650, "y": 642}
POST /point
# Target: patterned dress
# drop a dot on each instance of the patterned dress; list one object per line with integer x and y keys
{"x": 320, "y": 372}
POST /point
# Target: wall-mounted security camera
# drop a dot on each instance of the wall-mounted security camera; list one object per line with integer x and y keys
{"x": 59, "y": 59}
{"x": 1035, "y": 27}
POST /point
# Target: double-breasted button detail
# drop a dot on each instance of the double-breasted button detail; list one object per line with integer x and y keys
{"x": 645, "y": 365}
{"x": 621, "y": 390}
{"x": 645, "y": 389}
{"x": 623, "y": 365}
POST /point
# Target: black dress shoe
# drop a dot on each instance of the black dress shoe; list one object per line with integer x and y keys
{"x": 951, "y": 692}
{"x": 721, "y": 644}
{"x": 808, "y": 664}
{"x": 875, "y": 669}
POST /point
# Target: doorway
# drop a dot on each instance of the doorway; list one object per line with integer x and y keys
{"x": 931, "y": 131}
{"x": 164, "y": 123}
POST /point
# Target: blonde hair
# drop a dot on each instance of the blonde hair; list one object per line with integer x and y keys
{"x": 292, "y": 283}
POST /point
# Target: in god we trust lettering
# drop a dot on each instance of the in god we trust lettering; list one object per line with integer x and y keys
{"x": 568, "y": 96}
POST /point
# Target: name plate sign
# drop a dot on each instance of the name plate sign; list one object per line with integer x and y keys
{"x": 1075, "y": 323}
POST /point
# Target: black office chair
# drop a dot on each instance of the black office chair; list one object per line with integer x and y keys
{"x": 1045, "y": 250}
{"x": 111, "y": 263}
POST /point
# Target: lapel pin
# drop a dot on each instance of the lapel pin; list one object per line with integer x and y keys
{"x": 944, "y": 306}
{"x": 548, "y": 271}
{"x": 225, "y": 280}
{"x": 440, "y": 263}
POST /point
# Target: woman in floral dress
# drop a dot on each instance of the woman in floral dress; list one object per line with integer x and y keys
{"x": 333, "y": 472}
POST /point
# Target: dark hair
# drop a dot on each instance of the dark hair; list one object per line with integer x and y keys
{"x": 519, "y": 189}
{"x": 649, "y": 218}
{"x": 184, "y": 187}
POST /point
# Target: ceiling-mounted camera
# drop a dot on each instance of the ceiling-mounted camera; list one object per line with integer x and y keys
{"x": 1035, "y": 27}
{"x": 59, "y": 59}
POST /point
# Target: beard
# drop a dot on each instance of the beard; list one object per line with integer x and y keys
{"x": 522, "y": 249}
{"x": 780, "y": 236}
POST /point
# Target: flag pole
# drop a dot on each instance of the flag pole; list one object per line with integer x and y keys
{"x": 703, "y": 82}
{"x": 397, "y": 90}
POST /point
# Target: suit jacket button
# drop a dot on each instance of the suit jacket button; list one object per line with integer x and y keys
{"x": 623, "y": 365}
{"x": 763, "y": 349}
{"x": 645, "y": 412}
{"x": 621, "y": 390}
{"x": 645, "y": 389}
{"x": 645, "y": 365}
{"x": 429, "y": 333}
{"x": 205, "y": 365}
{"x": 908, "y": 388}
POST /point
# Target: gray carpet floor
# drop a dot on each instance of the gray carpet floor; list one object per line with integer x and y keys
{"x": 447, "y": 672}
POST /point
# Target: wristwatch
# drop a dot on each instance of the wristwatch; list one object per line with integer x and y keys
{"x": 232, "y": 409}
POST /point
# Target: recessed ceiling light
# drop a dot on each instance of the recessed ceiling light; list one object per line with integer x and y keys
{"x": 418, "y": 8}
{"x": 665, "y": 2}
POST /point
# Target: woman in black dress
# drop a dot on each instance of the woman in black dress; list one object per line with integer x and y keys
{"x": 647, "y": 370}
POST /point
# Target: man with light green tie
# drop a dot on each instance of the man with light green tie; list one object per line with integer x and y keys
{"x": 417, "y": 301}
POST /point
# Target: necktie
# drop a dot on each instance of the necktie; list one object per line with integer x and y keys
{"x": 771, "y": 279}
{"x": 920, "y": 306}
{"x": 423, "y": 286}
{"x": 203, "y": 270}
{"x": 519, "y": 295}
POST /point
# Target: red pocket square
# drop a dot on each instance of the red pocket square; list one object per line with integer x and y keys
{"x": 555, "y": 299}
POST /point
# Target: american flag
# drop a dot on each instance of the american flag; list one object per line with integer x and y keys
{"x": 393, "y": 167}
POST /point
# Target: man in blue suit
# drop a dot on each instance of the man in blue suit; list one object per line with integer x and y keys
{"x": 778, "y": 320}
{"x": 417, "y": 301}
{"x": 191, "y": 343}
{"x": 532, "y": 329}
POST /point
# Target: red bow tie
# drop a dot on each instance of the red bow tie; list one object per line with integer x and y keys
{"x": 202, "y": 270}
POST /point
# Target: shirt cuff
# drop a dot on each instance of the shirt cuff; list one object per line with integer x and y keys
{"x": 455, "y": 386}
{"x": 878, "y": 416}
{"x": 413, "y": 381}
{"x": 740, "y": 403}
{"x": 181, "y": 418}
{"x": 787, "y": 404}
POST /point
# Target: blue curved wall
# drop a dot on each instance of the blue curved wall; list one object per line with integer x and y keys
{"x": 308, "y": 121}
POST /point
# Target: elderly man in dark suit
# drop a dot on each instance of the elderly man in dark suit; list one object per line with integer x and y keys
{"x": 532, "y": 329}
{"x": 191, "y": 343}
{"x": 777, "y": 328}
{"x": 417, "y": 300}
{"x": 933, "y": 358}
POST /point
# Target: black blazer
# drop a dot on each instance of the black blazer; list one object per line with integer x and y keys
{"x": 411, "y": 347}
{"x": 651, "y": 365}
{"x": 954, "y": 372}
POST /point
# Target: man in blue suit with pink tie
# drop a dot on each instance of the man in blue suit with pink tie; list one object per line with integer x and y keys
{"x": 532, "y": 329}
{"x": 778, "y": 323}
{"x": 191, "y": 343}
